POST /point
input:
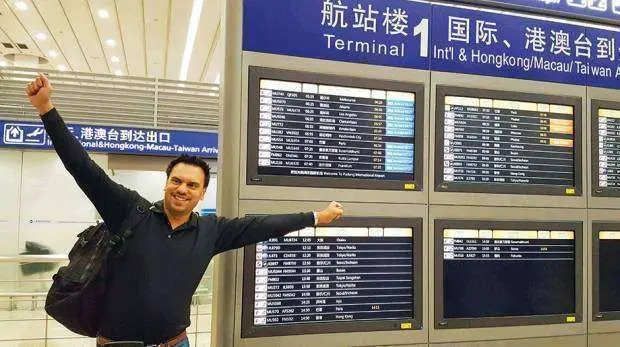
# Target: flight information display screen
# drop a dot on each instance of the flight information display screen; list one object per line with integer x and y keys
{"x": 497, "y": 144}
{"x": 606, "y": 271}
{"x": 508, "y": 273}
{"x": 606, "y": 148}
{"x": 315, "y": 129}
{"x": 316, "y": 279}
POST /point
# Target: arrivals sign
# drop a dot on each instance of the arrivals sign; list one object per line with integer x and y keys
{"x": 114, "y": 139}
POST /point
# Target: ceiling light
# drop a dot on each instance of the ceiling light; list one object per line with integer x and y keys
{"x": 110, "y": 42}
{"x": 21, "y": 5}
{"x": 41, "y": 36}
{"x": 114, "y": 59}
{"x": 191, "y": 37}
{"x": 62, "y": 67}
{"x": 103, "y": 13}
{"x": 52, "y": 53}
{"x": 3, "y": 63}
{"x": 119, "y": 72}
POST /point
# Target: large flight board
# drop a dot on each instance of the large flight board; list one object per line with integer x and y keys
{"x": 496, "y": 144}
{"x": 605, "y": 148}
{"x": 495, "y": 275}
{"x": 318, "y": 130}
{"x": 605, "y": 271}
{"x": 319, "y": 278}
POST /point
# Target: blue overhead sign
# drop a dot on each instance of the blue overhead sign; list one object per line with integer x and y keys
{"x": 114, "y": 139}
{"x": 476, "y": 42}
{"x": 438, "y": 37}
{"x": 510, "y": 45}
{"x": 378, "y": 32}
{"x": 596, "y": 10}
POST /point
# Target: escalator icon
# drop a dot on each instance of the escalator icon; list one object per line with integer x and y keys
{"x": 13, "y": 134}
{"x": 24, "y": 134}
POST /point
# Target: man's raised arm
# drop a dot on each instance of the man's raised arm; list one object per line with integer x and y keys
{"x": 112, "y": 200}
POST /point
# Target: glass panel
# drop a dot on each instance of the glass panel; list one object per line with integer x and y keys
{"x": 23, "y": 343}
{"x": 203, "y": 323}
{"x": 56, "y": 330}
{"x": 10, "y": 177}
{"x": 25, "y": 329}
{"x": 21, "y": 307}
{"x": 80, "y": 342}
{"x": 203, "y": 340}
{"x": 192, "y": 339}
{"x": 53, "y": 229}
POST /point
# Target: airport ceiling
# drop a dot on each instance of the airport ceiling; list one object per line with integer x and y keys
{"x": 143, "y": 38}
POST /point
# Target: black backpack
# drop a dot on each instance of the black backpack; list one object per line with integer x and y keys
{"x": 76, "y": 297}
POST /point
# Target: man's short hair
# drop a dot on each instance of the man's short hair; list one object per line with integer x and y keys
{"x": 190, "y": 160}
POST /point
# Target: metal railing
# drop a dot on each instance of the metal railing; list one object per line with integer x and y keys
{"x": 23, "y": 320}
{"x": 203, "y": 292}
{"x": 112, "y": 100}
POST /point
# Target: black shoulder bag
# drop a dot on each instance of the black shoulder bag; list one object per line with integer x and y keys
{"x": 76, "y": 297}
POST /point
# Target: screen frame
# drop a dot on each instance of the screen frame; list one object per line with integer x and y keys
{"x": 597, "y": 314}
{"x": 440, "y": 322}
{"x": 256, "y": 73}
{"x": 249, "y": 330}
{"x": 597, "y": 191}
{"x": 498, "y": 188}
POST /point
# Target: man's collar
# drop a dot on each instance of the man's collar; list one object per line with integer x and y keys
{"x": 158, "y": 207}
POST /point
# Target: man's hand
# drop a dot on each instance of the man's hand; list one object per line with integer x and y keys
{"x": 39, "y": 93}
{"x": 333, "y": 211}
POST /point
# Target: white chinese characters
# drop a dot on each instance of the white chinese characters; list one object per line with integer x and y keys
{"x": 486, "y": 32}
{"x": 365, "y": 18}
{"x": 123, "y": 135}
{"x": 395, "y": 22}
{"x": 458, "y": 29}
{"x": 335, "y": 14}
{"x": 536, "y": 39}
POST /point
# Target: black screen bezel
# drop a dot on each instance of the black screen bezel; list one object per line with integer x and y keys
{"x": 597, "y": 191}
{"x": 499, "y": 188}
{"x": 440, "y": 322}
{"x": 597, "y": 314}
{"x": 249, "y": 330}
{"x": 253, "y": 178}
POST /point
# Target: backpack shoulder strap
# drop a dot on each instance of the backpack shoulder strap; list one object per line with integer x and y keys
{"x": 135, "y": 216}
{"x": 137, "y": 213}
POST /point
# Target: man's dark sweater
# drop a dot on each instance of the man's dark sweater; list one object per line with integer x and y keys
{"x": 150, "y": 289}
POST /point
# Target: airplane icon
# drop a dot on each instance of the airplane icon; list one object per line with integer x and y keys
{"x": 37, "y": 132}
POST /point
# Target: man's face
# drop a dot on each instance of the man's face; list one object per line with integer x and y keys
{"x": 184, "y": 188}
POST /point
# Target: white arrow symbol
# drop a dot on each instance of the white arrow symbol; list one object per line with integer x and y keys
{"x": 14, "y": 132}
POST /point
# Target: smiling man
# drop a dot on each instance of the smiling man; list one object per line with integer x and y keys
{"x": 150, "y": 287}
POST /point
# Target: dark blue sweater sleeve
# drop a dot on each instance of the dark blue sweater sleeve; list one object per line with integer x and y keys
{"x": 238, "y": 232}
{"x": 112, "y": 200}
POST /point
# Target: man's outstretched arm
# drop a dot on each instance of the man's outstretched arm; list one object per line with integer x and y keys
{"x": 238, "y": 232}
{"x": 111, "y": 199}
